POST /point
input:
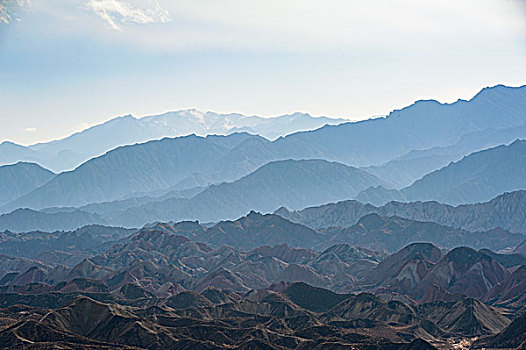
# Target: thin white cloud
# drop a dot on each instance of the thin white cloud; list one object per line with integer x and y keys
{"x": 4, "y": 16}
{"x": 337, "y": 26}
{"x": 313, "y": 26}
{"x": 30, "y": 129}
{"x": 119, "y": 11}
{"x": 8, "y": 9}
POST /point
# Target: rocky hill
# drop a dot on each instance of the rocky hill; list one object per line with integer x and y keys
{"x": 504, "y": 211}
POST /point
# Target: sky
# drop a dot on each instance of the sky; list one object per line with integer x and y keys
{"x": 66, "y": 65}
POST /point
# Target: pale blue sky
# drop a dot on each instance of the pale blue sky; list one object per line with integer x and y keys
{"x": 68, "y": 64}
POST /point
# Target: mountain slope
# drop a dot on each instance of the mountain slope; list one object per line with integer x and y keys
{"x": 511, "y": 292}
{"x": 505, "y": 211}
{"x": 190, "y": 321}
{"x": 257, "y": 230}
{"x": 141, "y": 168}
{"x": 422, "y": 272}
{"x": 161, "y": 164}
{"x": 464, "y": 270}
{"x": 392, "y": 233}
{"x": 403, "y": 171}
{"x": 295, "y": 184}
{"x": 26, "y": 220}
{"x": 465, "y": 317}
{"x": 21, "y": 178}
{"x": 512, "y": 337}
{"x": 67, "y": 153}
{"x": 373, "y": 232}
{"x": 477, "y": 177}
{"x": 11, "y": 153}
{"x": 405, "y": 269}
{"x": 520, "y": 249}
{"x": 423, "y": 125}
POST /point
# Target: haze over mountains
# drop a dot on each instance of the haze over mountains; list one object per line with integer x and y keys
{"x": 404, "y": 232}
{"x": 155, "y": 168}
{"x": 266, "y": 189}
{"x": 21, "y": 178}
{"x": 403, "y": 171}
{"x": 68, "y": 153}
{"x": 505, "y": 211}
{"x": 478, "y": 177}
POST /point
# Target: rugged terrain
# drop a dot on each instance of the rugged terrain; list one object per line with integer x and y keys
{"x": 160, "y": 287}
{"x": 255, "y": 240}
{"x": 505, "y": 211}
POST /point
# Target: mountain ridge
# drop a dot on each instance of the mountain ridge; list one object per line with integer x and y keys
{"x": 504, "y": 211}
{"x": 67, "y": 153}
{"x": 147, "y": 167}
{"x": 271, "y": 185}
{"x": 21, "y": 178}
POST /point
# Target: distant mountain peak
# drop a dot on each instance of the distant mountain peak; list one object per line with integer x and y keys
{"x": 518, "y": 142}
{"x": 126, "y": 116}
{"x": 69, "y": 152}
{"x": 466, "y": 256}
{"x": 11, "y": 144}
{"x": 496, "y": 90}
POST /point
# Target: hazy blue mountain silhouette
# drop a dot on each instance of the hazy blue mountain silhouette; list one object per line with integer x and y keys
{"x": 159, "y": 165}
{"x": 21, "y": 178}
{"x": 505, "y": 211}
{"x": 403, "y": 171}
{"x": 295, "y": 183}
{"x": 67, "y": 153}
{"x": 144, "y": 168}
{"x": 27, "y": 220}
{"x": 423, "y": 125}
{"x": 478, "y": 177}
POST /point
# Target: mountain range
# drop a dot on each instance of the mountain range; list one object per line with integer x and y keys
{"x": 373, "y": 232}
{"x": 155, "y": 168}
{"x": 155, "y": 288}
{"x": 166, "y": 259}
{"x": 420, "y": 126}
{"x": 144, "y": 168}
{"x": 192, "y": 230}
{"x": 494, "y": 116}
{"x": 68, "y": 153}
{"x": 265, "y": 190}
{"x": 477, "y": 177}
{"x": 26, "y": 220}
{"x": 405, "y": 170}
{"x": 270, "y": 186}
{"x": 21, "y": 178}
{"x": 294, "y": 184}
{"x": 200, "y": 321}
{"x": 505, "y": 211}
